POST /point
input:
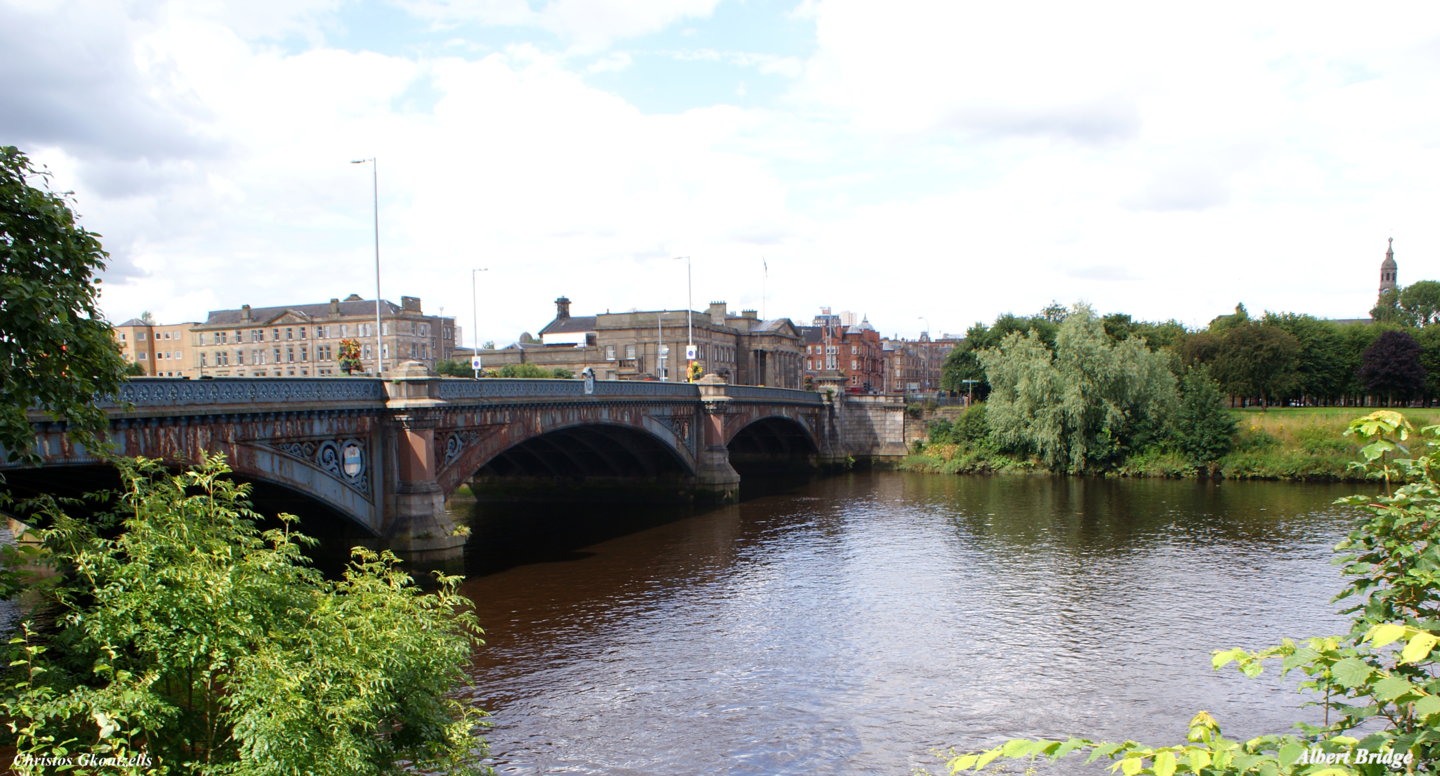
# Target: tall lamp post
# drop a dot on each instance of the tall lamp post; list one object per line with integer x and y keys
{"x": 475, "y": 320}
{"x": 925, "y": 381}
{"x": 689, "y": 318}
{"x": 375, "y": 189}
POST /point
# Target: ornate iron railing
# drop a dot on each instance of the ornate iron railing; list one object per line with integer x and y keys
{"x": 142, "y": 393}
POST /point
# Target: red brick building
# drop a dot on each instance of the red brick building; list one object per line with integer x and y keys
{"x": 837, "y": 344}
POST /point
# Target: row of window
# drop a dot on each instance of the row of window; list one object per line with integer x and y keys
{"x": 335, "y": 331}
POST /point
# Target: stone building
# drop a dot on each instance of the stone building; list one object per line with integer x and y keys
{"x": 652, "y": 345}
{"x": 1389, "y": 272}
{"x": 161, "y": 350}
{"x": 914, "y": 366}
{"x": 304, "y": 340}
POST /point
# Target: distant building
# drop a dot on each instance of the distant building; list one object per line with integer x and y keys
{"x": 304, "y": 340}
{"x": 852, "y": 352}
{"x": 160, "y": 350}
{"x": 1389, "y": 272}
{"x": 651, "y": 345}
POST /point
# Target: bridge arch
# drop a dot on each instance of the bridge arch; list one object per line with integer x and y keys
{"x": 585, "y": 454}
{"x": 773, "y": 441}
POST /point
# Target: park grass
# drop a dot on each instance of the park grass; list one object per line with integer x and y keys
{"x": 1282, "y": 443}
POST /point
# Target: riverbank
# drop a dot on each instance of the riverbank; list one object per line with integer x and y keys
{"x": 1305, "y": 444}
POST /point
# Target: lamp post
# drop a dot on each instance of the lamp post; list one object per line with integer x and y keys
{"x": 375, "y": 190}
{"x": 475, "y": 320}
{"x": 689, "y": 318}
{"x": 925, "y": 382}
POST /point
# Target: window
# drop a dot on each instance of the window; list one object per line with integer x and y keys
{"x": 302, "y": 332}
{"x": 304, "y": 355}
{"x": 384, "y": 328}
{"x": 202, "y": 359}
{"x": 289, "y": 333}
{"x": 609, "y": 352}
{"x": 257, "y": 335}
{"x": 122, "y": 336}
{"x": 239, "y": 336}
{"x": 221, "y": 337}
{"x": 240, "y": 357}
{"x": 630, "y": 352}
{"x": 139, "y": 336}
{"x": 289, "y": 352}
{"x": 277, "y": 354}
{"x": 424, "y": 329}
{"x": 319, "y": 332}
{"x": 362, "y": 330}
{"x": 275, "y": 334}
{"x": 143, "y": 354}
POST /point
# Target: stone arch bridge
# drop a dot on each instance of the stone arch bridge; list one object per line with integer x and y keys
{"x": 387, "y": 453}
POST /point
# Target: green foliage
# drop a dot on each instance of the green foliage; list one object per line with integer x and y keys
{"x": 560, "y": 373}
{"x": 190, "y": 640}
{"x": 133, "y": 369}
{"x": 1083, "y": 407}
{"x": 1257, "y": 360}
{"x": 1420, "y": 303}
{"x": 451, "y": 368}
{"x": 1377, "y": 683}
{"x": 526, "y": 370}
{"x": 1325, "y": 364}
{"x": 1204, "y": 429}
{"x": 57, "y": 352}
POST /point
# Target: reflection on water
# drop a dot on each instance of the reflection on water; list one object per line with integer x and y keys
{"x": 852, "y": 624}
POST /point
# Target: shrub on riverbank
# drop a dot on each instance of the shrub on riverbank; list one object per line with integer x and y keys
{"x": 181, "y": 638}
{"x": 1298, "y": 443}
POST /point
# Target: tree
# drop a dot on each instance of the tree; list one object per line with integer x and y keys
{"x": 349, "y": 356}
{"x": 1421, "y": 302}
{"x": 57, "y": 352}
{"x": 525, "y": 370}
{"x": 1257, "y": 361}
{"x": 1391, "y": 367}
{"x": 1083, "y": 406}
{"x": 190, "y": 641}
{"x": 1204, "y": 430}
{"x": 1376, "y": 683}
{"x": 963, "y": 363}
{"x": 1323, "y": 368}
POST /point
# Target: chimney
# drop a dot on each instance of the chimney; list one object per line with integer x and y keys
{"x": 245, "y": 313}
{"x": 562, "y": 308}
{"x": 751, "y": 314}
{"x": 410, "y": 304}
{"x": 334, "y": 307}
{"x": 717, "y": 313}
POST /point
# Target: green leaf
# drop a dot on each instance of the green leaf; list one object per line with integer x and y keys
{"x": 1164, "y": 764}
{"x": 1391, "y": 687}
{"x": 1351, "y": 672}
{"x": 1427, "y": 706}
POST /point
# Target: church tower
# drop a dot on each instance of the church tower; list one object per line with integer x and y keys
{"x": 1388, "y": 272}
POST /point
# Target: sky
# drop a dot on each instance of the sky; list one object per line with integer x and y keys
{"x": 926, "y": 163}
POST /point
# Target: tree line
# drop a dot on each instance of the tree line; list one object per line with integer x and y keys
{"x": 1278, "y": 358}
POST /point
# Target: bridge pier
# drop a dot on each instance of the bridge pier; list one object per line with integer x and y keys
{"x": 417, "y": 528}
{"x": 715, "y": 478}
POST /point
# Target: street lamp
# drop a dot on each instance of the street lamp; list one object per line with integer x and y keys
{"x": 375, "y": 189}
{"x": 475, "y": 320}
{"x": 689, "y": 317}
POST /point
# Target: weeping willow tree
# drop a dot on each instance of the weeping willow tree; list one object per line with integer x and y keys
{"x": 1083, "y": 405}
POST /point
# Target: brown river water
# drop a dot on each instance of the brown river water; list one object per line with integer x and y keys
{"x": 854, "y": 624}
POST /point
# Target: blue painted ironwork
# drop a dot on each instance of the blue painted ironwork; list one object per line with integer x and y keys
{"x": 149, "y": 393}
{"x": 510, "y": 388}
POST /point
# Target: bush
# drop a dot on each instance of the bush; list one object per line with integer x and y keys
{"x": 189, "y": 641}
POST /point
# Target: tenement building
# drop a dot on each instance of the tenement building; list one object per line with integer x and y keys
{"x": 304, "y": 340}
{"x": 840, "y": 348}
{"x": 159, "y": 350}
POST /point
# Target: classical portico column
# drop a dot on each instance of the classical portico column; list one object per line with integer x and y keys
{"x": 715, "y": 478}
{"x": 416, "y": 526}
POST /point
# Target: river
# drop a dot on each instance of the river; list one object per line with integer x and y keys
{"x": 853, "y": 624}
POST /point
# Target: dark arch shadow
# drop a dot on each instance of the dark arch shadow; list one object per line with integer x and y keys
{"x": 611, "y": 462}
{"x": 773, "y": 455}
{"x": 335, "y": 531}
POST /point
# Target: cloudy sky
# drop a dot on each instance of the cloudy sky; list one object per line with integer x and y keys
{"x": 924, "y": 162}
